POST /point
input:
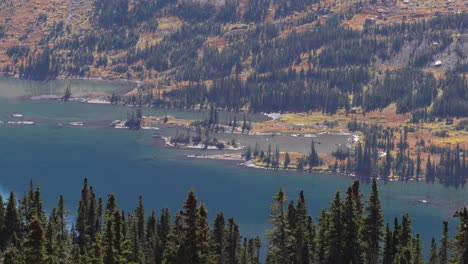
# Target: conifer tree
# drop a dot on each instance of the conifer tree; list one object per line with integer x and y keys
{"x": 353, "y": 251}
{"x": 121, "y": 238}
{"x": 245, "y": 253}
{"x": 111, "y": 241}
{"x": 313, "y": 158}
{"x": 418, "y": 165}
{"x": 433, "y": 254}
{"x": 287, "y": 161}
{"x": 12, "y": 221}
{"x": 429, "y": 171}
{"x": 444, "y": 245}
{"x": 96, "y": 253}
{"x": 373, "y": 226}
{"x": 280, "y": 239}
{"x": 82, "y": 217}
{"x": 26, "y": 206}
{"x": 13, "y": 256}
{"x": 151, "y": 240}
{"x": 163, "y": 229}
{"x": 219, "y": 233}
{"x": 205, "y": 239}
{"x": 172, "y": 251}
{"x": 62, "y": 215}
{"x": 51, "y": 236}
{"x": 190, "y": 247}
{"x": 387, "y": 257}
{"x": 336, "y": 231}
{"x": 140, "y": 218}
{"x": 323, "y": 236}
{"x": 302, "y": 232}
{"x": 460, "y": 250}
{"x": 34, "y": 244}
{"x": 417, "y": 251}
{"x": 233, "y": 242}
{"x": 67, "y": 94}
{"x": 92, "y": 217}
{"x": 2, "y": 224}
{"x": 406, "y": 231}
{"x": 396, "y": 238}
{"x": 37, "y": 205}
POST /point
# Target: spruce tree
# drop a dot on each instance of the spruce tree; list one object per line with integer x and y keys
{"x": 205, "y": 239}
{"x": 395, "y": 237}
{"x": 417, "y": 251}
{"x": 233, "y": 245}
{"x": 51, "y": 236}
{"x": 96, "y": 253}
{"x": 429, "y": 171}
{"x": 406, "y": 231}
{"x": 280, "y": 239}
{"x": 12, "y": 221}
{"x": 245, "y": 253}
{"x": 136, "y": 247}
{"x": 172, "y": 251}
{"x": 353, "y": 251}
{"x": 12, "y": 255}
{"x": 163, "y": 229}
{"x": 219, "y": 233}
{"x": 140, "y": 219}
{"x": 36, "y": 206}
{"x": 336, "y": 231}
{"x": 34, "y": 244}
{"x": 190, "y": 247}
{"x": 433, "y": 254}
{"x": 152, "y": 243}
{"x": 62, "y": 215}
{"x": 110, "y": 239}
{"x": 387, "y": 257}
{"x": 2, "y": 224}
{"x": 460, "y": 250}
{"x": 323, "y": 236}
{"x": 313, "y": 158}
{"x": 82, "y": 217}
{"x": 287, "y": 161}
{"x": 444, "y": 245}
{"x": 302, "y": 232}
{"x": 373, "y": 226}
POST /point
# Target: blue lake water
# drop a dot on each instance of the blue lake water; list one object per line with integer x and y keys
{"x": 130, "y": 163}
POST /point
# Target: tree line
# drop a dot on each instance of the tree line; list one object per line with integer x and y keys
{"x": 386, "y": 152}
{"x": 349, "y": 231}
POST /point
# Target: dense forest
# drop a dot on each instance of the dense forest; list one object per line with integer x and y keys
{"x": 264, "y": 63}
{"x": 349, "y": 231}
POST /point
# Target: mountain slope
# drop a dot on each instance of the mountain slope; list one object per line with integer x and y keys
{"x": 280, "y": 55}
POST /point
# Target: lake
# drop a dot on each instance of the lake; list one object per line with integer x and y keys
{"x": 130, "y": 163}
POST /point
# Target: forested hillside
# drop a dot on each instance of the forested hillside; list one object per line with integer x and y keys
{"x": 349, "y": 231}
{"x": 259, "y": 55}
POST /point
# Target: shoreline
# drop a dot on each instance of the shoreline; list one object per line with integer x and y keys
{"x": 168, "y": 144}
{"x": 241, "y": 162}
{"x": 250, "y": 164}
{"x": 73, "y": 78}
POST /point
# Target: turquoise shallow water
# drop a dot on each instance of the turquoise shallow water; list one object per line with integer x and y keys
{"x": 131, "y": 163}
